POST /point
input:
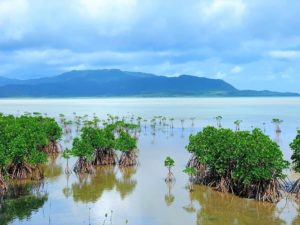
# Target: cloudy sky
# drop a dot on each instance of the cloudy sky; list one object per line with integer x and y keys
{"x": 252, "y": 44}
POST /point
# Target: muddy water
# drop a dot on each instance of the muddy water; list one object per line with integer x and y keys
{"x": 139, "y": 195}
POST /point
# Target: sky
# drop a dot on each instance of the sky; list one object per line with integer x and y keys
{"x": 252, "y": 44}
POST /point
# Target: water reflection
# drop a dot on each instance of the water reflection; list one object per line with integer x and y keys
{"x": 220, "y": 208}
{"x": 52, "y": 170}
{"x": 21, "y": 201}
{"x": 169, "y": 197}
{"x": 127, "y": 183}
{"x": 89, "y": 188}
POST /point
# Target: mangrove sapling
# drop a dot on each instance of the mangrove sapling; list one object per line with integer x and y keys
{"x": 84, "y": 151}
{"x": 172, "y": 122}
{"x": 193, "y": 121}
{"x": 169, "y": 163}
{"x": 295, "y": 146}
{"x": 191, "y": 172}
{"x": 218, "y": 120}
{"x": 127, "y": 145}
{"x": 182, "y": 123}
{"x": 247, "y": 164}
{"x": 277, "y": 123}
{"x": 237, "y": 124}
{"x": 264, "y": 127}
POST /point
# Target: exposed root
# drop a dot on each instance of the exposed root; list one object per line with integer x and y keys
{"x": 105, "y": 157}
{"x": 296, "y": 189}
{"x": 51, "y": 148}
{"x": 270, "y": 191}
{"x": 128, "y": 158}
{"x": 24, "y": 171}
{"x": 83, "y": 166}
{"x": 194, "y": 162}
{"x": 3, "y": 185}
{"x": 170, "y": 177}
{"x": 225, "y": 185}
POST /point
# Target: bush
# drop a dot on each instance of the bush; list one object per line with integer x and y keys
{"x": 241, "y": 162}
{"x": 21, "y": 139}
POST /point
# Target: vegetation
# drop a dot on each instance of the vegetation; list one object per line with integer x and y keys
{"x": 295, "y": 146}
{"x": 191, "y": 171}
{"x": 169, "y": 163}
{"x": 237, "y": 124}
{"x": 102, "y": 141}
{"x": 127, "y": 145}
{"x": 54, "y": 133}
{"x": 248, "y": 164}
{"x": 218, "y": 120}
{"x": 23, "y": 140}
{"x": 84, "y": 151}
{"x": 96, "y": 146}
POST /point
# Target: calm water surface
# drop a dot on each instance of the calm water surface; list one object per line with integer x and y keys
{"x": 140, "y": 195}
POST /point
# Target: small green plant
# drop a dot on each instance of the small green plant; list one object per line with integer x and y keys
{"x": 127, "y": 145}
{"x": 218, "y": 120}
{"x": 237, "y": 124}
{"x": 191, "y": 172}
{"x": 84, "y": 151}
{"x": 169, "y": 163}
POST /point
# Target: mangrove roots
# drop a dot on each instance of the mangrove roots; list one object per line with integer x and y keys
{"x": 128, "y": 158}
{"x": 296, "y": 189}
{"x": 51, "y": 148}
{"x": 104, "y": 157}
{"x": 24, "y": 171}
{"x": 3, "y": 186}
{"x": 83, "y": 166}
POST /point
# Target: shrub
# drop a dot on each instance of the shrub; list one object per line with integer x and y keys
{"x": 243, "y": 162}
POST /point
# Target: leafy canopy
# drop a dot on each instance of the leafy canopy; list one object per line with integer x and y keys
{"x": 169, "y": 162}
{"x": 243, "y": 156}
{"x": 295, "y": 146}
{"x": 21, "y": 137}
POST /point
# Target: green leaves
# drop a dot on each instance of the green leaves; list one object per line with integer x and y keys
{"x": 169, "y": 162}
{"x": 244, "y": 156}
{"x": 125, "y": 142}
{"x": 295, "y": 146}
{"x": 21, "y": 137}
{"x": 112, "y": 136}
{"x": 82, "y": 148}
{"x": 191, "y": 171}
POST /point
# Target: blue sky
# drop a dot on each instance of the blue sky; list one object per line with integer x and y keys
{"x": 252, "y": 44}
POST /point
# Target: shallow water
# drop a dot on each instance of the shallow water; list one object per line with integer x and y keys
{"x": 140, "y": 195}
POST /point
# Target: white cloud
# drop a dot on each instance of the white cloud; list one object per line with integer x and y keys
{"x": 285, "y": 54}
{"x": 224, "y": 12}
{"x": 236, "y": 69}
{"x": 13, "y": 19}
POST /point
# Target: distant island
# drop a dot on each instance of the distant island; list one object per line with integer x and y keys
{"x": 118, "y": 83}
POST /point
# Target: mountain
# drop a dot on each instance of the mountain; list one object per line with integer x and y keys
{"x": 113, "y": 82}
{"x": 6, "y": 81}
